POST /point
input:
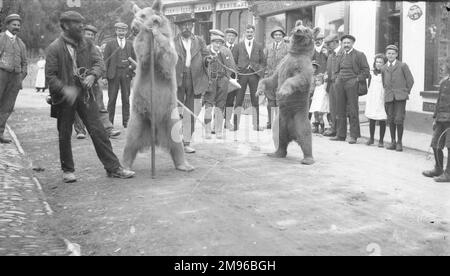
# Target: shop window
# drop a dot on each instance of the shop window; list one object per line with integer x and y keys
{"x": 388, "y": 22}
{"x": 330, "y": 18}
{"x": 437, "y": 45}
{"x": 278, "y": 20}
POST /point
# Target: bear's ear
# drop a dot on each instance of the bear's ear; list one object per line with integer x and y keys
{"x": 316, "y": 32}
{"x": 157, "y": 6}
{"x": 298, "y": 23}
{"x": 136, "y": 8}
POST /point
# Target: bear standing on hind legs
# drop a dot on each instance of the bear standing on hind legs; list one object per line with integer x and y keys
{"x": 164, "y": 94}
{"x": 293, "y": 77}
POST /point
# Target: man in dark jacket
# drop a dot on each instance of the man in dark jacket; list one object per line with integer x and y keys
{"x": 398, "y": 82}
{"x": 351, "y": 72}
{"x": 192, "y": 79}
{"x": 73, "y": 66}
{"x": 13, "y": 69}
{"x": 119, "y": 72}
{"x": 441, "y": 126}
{"x": 251, "y": 62}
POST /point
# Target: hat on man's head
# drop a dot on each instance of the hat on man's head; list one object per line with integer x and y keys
{"x": 120, "y": 25}
{"x": 277, "y": 29}
{"x": 12, "y": 17}
{"x": 349, "y": 37}
{"x": 91, "y": 28}
{"x": 392, "y": 47}
{"x": 217, "y": 38}
{"x": 183, "y": 18}
{"x": 320, "y": 36}
{"x": 215, "y": 32}
{"x": 331, "y": 37}
{"x": 71, "y": 16}
{"x": 231, "y": 31}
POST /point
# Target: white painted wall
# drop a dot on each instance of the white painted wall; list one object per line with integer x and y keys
{"x": 413, "y": 47}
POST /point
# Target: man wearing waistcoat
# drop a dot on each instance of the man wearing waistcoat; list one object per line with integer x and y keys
{"x": 332, "y": 43}
{"x": 398, "y": 82}
{"x": 192, "y": 79}
{"x": 119, "y": 72}
{"x": 351, "y": 73}
{"x": 13, "y": 69}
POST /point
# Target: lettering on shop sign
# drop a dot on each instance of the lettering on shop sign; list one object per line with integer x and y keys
{"x": 415, "y": 12}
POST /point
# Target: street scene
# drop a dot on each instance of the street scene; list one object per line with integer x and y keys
{"x": 225, "y": 128}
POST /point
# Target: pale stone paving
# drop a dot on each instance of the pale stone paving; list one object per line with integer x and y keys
{"x": 23, "y": 218}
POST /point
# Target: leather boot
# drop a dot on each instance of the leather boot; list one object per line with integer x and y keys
{"x": 322, "y": 128}
{"x": 316, "y": 128}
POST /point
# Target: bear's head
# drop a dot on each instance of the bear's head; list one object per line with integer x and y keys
{"x": 302, "y": 39}
{"x": 150, "y": 18}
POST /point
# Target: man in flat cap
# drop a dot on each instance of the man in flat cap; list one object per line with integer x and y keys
{"x": 334, "y": 48}
{"x": 73, "y": 66}
{"x": 192, "y": 78}
{"x": 119, "y": 72}
{"x": 351, "y": 73}
{"x": 398, "y": 82}
{"x": 230, "y": 42}
{"x": 275, "y": 52}
{"x": 13, "y": 69}
{"x": 219, "y": 75}
{"x": 90, "y": 33}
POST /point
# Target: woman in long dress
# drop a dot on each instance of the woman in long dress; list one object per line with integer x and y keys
{"x": 375, "y": 110}
{"x": 40, "y": 77}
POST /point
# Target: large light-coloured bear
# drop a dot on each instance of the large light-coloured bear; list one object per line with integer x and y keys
{"x": 147, "y": 21}
{"x": 293, "y": 78}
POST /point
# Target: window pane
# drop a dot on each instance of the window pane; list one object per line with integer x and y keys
{"x": 330, "y": 18}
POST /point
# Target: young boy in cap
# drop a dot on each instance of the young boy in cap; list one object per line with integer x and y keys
{"x": 216, "y": 94}
{"x": 13, "y": 69}
{"x": 230, "y": 42}
{"x": 441, "y": 127}
{"x": 71, "y": 93}
{"x": 119, "y": 72}
{"x": 398, "y": 82}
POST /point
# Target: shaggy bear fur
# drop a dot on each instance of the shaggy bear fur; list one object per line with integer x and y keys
{"x": 293, "y": 77}
{"x": 164, "y": 94}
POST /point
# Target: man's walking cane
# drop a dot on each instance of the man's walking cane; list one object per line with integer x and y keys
{"x": 152, "y": 109}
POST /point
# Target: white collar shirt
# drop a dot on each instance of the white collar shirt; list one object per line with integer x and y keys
{"x": 249, "y": 46}
{"x": 187, "y": 46}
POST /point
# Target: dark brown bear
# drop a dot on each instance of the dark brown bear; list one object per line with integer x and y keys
{"x": 293, "y": 78}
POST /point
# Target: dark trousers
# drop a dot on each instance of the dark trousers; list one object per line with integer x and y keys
{"x": 122, "y": 81}
{"x": 252, "y": 82}
{"x": 185, "y": 94}
{"x": 347, "y": 101}
{"x": 104, "y": 117}
{"x": 89, "y": 114}
{"x": 333, "y": 106}
{"x": 10, "y": 84}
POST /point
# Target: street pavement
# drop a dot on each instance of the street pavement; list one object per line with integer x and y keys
{"x": 355, "y": 200}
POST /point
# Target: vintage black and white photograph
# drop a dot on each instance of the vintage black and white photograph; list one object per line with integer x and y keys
{"x": 224, "y": 128}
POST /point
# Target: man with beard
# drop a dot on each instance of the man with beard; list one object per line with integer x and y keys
{"x": 192, "y": 78}
{"x": 351, "y": 72}
{"x": 119, "y": 72}
{"x": 13, "y": 69}
{"x": 73, "y": 66}
{"x": 89, "y": 33}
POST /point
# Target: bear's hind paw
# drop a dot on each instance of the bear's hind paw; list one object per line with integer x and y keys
{"x": 185, "y": 167}
{"x": 308, "y": 161}
{"x": 277, "y": 154}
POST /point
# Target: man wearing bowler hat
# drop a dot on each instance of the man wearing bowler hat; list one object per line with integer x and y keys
{"x": 351, "y": 73}
{"x": 13, "y": 69}
{"x": 119, "y": 72}
{"x": 275, "y": 52}
{"x": 332, "y": 44}
{"x": 89, "y": 33}
{"x": 192, "y": 79}
{"x": 73, "y": 66}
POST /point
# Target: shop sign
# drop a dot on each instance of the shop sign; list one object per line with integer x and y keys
{"x": 415, "y": 12}
{"x": 203, "y": 8}
{"x": 231, "y": 5}
{"x": 178, "y": 10}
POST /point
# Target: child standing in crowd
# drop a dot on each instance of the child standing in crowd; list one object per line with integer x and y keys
{"x": 398, "y": 82}
{"x": 375, "y": 110}
{"x": 441, "y": 127}
{"x": 40, "y": 77}
{"x": 320, "y": 103}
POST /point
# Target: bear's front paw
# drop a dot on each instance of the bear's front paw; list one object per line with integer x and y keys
{"x": 284, "y": 92}
{"x": 185, "y": 167}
